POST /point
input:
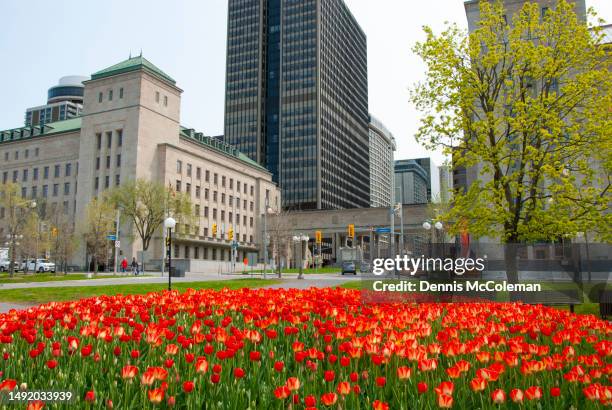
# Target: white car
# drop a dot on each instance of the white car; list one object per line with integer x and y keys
{"x": 39, "y": 265}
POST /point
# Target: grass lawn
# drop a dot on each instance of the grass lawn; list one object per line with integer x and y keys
{"x": 49, "y": 277}
{"x": 590, "y": 306}
{"x": 43, "y": 295}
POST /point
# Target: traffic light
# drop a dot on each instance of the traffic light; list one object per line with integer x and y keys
{"x": 214, "y": 230}
{"x": 318, "y": 237}
{"x": 230, "y": 233}
{"x": 351, "y": 231}
{"x": 54, "y": 231}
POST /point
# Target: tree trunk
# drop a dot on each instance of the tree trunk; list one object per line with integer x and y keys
{"x": 510, "y": 254}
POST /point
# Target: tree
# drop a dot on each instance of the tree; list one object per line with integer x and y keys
{"x": 279, "y": 231}
{"x": 34, "y": 238}
{"x": 62, "y": 240}
{"x": 99, "y": 221}
{"x": 17, "y": 211}
{"x": 528, "y": 102}
{"x": 147, "y": 203}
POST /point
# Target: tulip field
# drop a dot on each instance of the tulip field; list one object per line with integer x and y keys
{"x": 303, "y": 349}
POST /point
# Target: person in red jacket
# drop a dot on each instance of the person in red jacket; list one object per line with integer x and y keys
{"x": 124, "y": 265}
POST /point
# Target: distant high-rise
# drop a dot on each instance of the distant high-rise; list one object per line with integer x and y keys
{"x": 382, "y": 146}
{"x": 64, "y": 101}
{"x": 411, "y": 182}
{"x": 297, "y": 98}
{"x": 446, "y": 183}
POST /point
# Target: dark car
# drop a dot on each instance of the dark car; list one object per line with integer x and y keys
{"x": 348, "y": 267}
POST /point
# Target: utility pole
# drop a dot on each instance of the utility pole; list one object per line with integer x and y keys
{"x": 401, "y": 216}
{"x": 265, "y": 238}
{"x": 117, "y": 239}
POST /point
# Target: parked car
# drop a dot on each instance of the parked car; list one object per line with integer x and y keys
{"x": 5, "y": 264}
{"x": 348, "y": 267}
{"x": 39, "y": 265}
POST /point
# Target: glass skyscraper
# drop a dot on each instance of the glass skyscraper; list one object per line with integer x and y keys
{"x": 297, "y": 98}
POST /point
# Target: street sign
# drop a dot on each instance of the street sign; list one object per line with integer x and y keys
{"x": 117, "y": 244}
{"x": 111, "y": 237}
{"x": 383, "y": 230}
{"x": 234, "y": 244}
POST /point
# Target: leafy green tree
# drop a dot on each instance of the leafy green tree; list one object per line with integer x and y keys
{"x": 147, "y": 203}
{"x": 528, "y": 102}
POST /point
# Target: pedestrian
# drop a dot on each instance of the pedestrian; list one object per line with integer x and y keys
{"x": 134, "y": 266}
{"x": 124, "y": 264}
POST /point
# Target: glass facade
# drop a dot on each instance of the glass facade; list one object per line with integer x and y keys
{"x": 300, "y": 68}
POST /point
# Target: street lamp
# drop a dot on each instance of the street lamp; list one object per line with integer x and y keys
{"x": 267, "y": 210}
{"x": 169, "y": 224}
{"x": 427, "y": 225}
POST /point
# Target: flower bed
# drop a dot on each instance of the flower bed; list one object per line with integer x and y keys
{"x": 316, "y": 348}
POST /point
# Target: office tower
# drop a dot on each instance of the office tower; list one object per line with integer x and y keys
{"x": 297, "y": 98}
{"x": 382, "y": 145}
{"x": 64, "y": 101}
{"x": 411, "y": 182}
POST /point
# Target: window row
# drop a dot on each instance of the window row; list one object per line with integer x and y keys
{"x": 198, "y": 175}
{"x": 26, "y": 154}
{"x": 24, "y": 175}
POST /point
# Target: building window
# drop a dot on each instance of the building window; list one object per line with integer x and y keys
{"x": 186, "y": 252}
{"x": 45, "y": 191}
{"x": 238, "y": 186}
{"x": 237, "y": 219}
{"x": 24, "y": 192}
{"x": 230, "y": 201}
{"x": 188, "y": 170}
{"x": 118, "y": 160}
{"x": 197, "y": 210}
{"x": 250, "y": 238}
{"x": 156, "y": 96}
{"x": 120, "y": 137}
{"x": 109, "y": 139}
{"x": 229, "y": 217}
{"x": 108, "y": 161}
{"x": 178, "y": 186}
{"x": 196, "y": 252}
{"x": 56, "y": 171}
{"x": 214, "y": 254}
{"x": 251, "y": 221}
{"x": 25, "y": 175}
{"x": 34, "y": 191}
{"x": 106, "y": 181}
{"x": 215, "y": 179}
{"x": 197, "y": 191}
{"x": 251, "y": 190}
{"x": 165, "y": 100}
{"x": 198, "y": 173}
{"x": 55, "y": 189}
{"x": 110, "y": 95}
{"x": 98, "y": 163}
{"x": 215, "y": 196}
{"x": 223, "y": 198}
{"x": 188, "y": 188}
{"x": 36, "y": 151}
{"x": 15, "y": 175}
{"x": 207, "y": 176}
{"x": 16, "y": 154}
{"x": 66, "y": 188}
{"x": 68, "y": 169}
{"x": 97, "y": 183}
{"x": 100, "y": 97}
{"x": 205, "y": 212}
{"x": 176, "y": 251}
{"x": 27, "y": 153}
{"x": 214, "y": 213}
{"x": 206, "y": 235}
{"x": 117, "y": 180}
{"x": 179, "y": 166}
{"x": 4, "y": 177}
{"x": 6, "y": 156}
{"x": 65, "y": 205}
{"x": 121, "y": 92}
{"x": 223, "y": 181}
{"x": 205, "y": 193}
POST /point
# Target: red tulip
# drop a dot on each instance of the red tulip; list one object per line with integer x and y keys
{"x": 282, "y": 392}
{"x": 380, "y": 405}
{"x": 278, "y": 366}
{"x": 343, "y": 388}
{"x": 90, "y": 396}
{"x": 188, "y": 386}
{"x": 533, "y": 393}
{"x": 52, "y": 364}
{"x": 445, "y": 401}
{"x": 310, "y": 401}
{"x": 293, "y": 383}
{"x": 478, "y": 384}
{"x": 381, "y": 381}
{"x": 238, "y": 373}
{"x": 498, "y": 396}
{"x": 329, "y": 375}
{"x": 255, "y": 356}
{"x": 422, "y": 387}
{"x": 555, "y": 391}
{"x": 156, "y": 395}
{"x": 329, "y": 399}
{"x": 403, "y": 372}
{"x": 129, "y": 372}
{"x": 445, "y": 388}
{"x": 516, "y": 395}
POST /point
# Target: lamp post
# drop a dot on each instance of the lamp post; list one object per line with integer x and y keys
{"x": 169, "y": 224}
{"x": 427, "y": 225}
{"x": 265, "y": 236}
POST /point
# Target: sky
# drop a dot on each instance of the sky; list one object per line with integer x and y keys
{"x": 41, "y": 41}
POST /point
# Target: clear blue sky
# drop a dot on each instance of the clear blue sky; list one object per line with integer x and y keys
{"x": 42, "y": 40}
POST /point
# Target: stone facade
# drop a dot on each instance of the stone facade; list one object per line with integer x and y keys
{"x": 131, "y": 129}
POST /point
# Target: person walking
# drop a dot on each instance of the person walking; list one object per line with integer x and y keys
{"x": 124, "y": 264}
{"x": 134, "y": 266}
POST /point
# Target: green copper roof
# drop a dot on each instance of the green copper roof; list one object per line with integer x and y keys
{"x": 132, "y": 64}
{"x": 58, "y": 127}
{"x": 218, "y": 145}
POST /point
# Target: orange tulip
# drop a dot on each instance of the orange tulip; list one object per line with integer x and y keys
{"x": 478, "y": 384}
{"x": 293, "y": 383}
{"x": 498, "y": 396}
{"x": 445, "y": 388}
{"x": 403, "y": 372}
{"x": 445, "y": 401}
{"x": 156, "y": 395}
{"x": 329, "y": 399}
{"x": 344, "y": 388}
